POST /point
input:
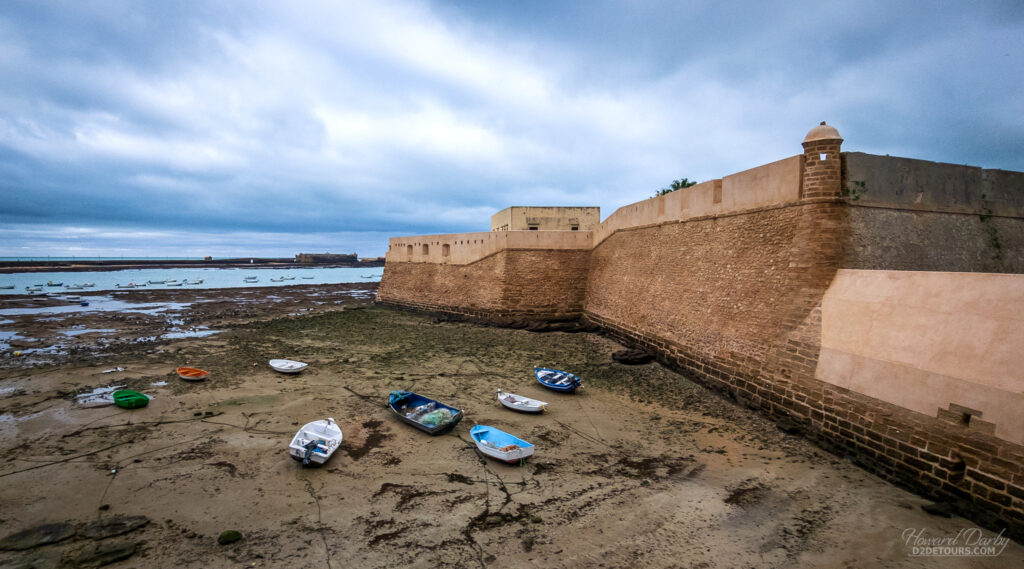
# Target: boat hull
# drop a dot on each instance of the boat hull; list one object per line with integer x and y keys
{"x": 287, "y": 366}
{"x": 128, "y": 399}
{"x": 325, "y": 433}
{"x": 500, "y": 445}
{"x": 192, "y": 373}
{"x": 557, "y": 380}
{"x": 402, "y": 403}
{"x": 520, "y": 403}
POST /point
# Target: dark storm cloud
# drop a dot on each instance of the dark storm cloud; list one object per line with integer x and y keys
{"x": 182, "y": 121}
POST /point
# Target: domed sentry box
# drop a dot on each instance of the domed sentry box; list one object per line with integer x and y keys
{"x": 822, "y": 164}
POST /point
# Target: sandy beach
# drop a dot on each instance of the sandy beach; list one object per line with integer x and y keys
{"x": 641, "y": 468}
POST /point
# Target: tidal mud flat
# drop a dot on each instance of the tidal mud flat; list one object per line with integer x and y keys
{"x": 641, "y": 468}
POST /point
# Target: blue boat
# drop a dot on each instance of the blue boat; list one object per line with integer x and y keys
{"x": 500, "y": 445}
{"x": 557, "y": 379}
{"x": 424, "y": 413}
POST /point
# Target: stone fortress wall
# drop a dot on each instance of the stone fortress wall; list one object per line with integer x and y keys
{"x": 872, "y": 303}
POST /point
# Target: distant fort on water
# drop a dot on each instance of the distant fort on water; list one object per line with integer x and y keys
{"x": 107, "y": 264}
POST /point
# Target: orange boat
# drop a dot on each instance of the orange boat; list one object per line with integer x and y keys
{"x": 192, "y": 373}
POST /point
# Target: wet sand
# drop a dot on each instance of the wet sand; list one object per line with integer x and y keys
{"x": 641, "y": 468}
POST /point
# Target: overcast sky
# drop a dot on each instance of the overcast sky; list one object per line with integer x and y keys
{"x": 268, "y": 128}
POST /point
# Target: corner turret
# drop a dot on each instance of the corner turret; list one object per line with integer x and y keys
{"x": 822, "y": 176}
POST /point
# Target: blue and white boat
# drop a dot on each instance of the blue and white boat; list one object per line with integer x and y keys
{"x": 315, "y": 442}
{"x": 425, "y": 414}
{"x": 557, "y": 379}
{"x": 500, "y": 445}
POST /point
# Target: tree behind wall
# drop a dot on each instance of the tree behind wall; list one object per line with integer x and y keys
{"x": 676, "y": 185}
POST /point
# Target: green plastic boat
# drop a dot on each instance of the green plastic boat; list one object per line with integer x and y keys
{"x": 130, "y": 399}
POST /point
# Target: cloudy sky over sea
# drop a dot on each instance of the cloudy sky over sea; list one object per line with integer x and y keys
{"x": 198, "y": 128}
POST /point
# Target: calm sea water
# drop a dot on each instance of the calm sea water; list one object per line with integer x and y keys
{"x": 103, "y": 258}
{"x": 212, "y": 278}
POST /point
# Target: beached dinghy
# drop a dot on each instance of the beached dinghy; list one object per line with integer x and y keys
{"x": 425, "y": 414}
{"x": 315, "y": 442}
{"x": 520, "y": 403}
{"x": 129, "y": 399}
{"x": 500, "y": 445}
{"x": 287, "y": 366}
{"x": 192, "y": 373}
{"x": 557, "y": 379}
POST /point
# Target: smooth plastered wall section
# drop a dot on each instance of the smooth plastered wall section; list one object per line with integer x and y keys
{"x": 925, "y": 340}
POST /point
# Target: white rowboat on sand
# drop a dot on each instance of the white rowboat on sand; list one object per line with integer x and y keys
{"x": 520, "y": 403}
{"x": 287, "y": 366}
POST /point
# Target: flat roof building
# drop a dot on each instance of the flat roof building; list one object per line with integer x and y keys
{"x": 520, "y": 218}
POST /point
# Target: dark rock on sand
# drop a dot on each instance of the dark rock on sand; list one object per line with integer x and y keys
{"x": 39, "y": 535}
{"x": 632, "y": 357}
{"x": 100, "y": 554}
{"x": 110, "y": 527}
{"x": 790, "y": 427}
{"x": 229, "y": 536}
{"x": 49, "y": 558}
{"x": 943, "y": 509}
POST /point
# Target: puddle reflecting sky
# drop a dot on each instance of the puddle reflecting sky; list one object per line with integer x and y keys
{"x": 99, "y": 304}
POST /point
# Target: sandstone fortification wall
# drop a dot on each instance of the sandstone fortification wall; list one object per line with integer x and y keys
{"x": 750, "y": 285}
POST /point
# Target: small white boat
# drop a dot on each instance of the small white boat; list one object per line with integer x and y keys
{"x": 500, "y": 445}
{"x": 316, "y": 442}
{"x": 288, "y": 278}
{"x": 175, "y": 284}
{"x": 280, "y": 280}
{"x": 194, "y": 282}
{"x": 307, "y": 277}
{"x": 37, "y": 288}
{"x": 287, "y": 366}
{"x": 157, "y": 282}
{"x": 7, "y": 287}
{"x": 520, "y": 403}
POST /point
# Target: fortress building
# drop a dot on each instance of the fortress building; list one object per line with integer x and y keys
{"x": 546, "y": 219}
{"x": 873, "y": 303}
